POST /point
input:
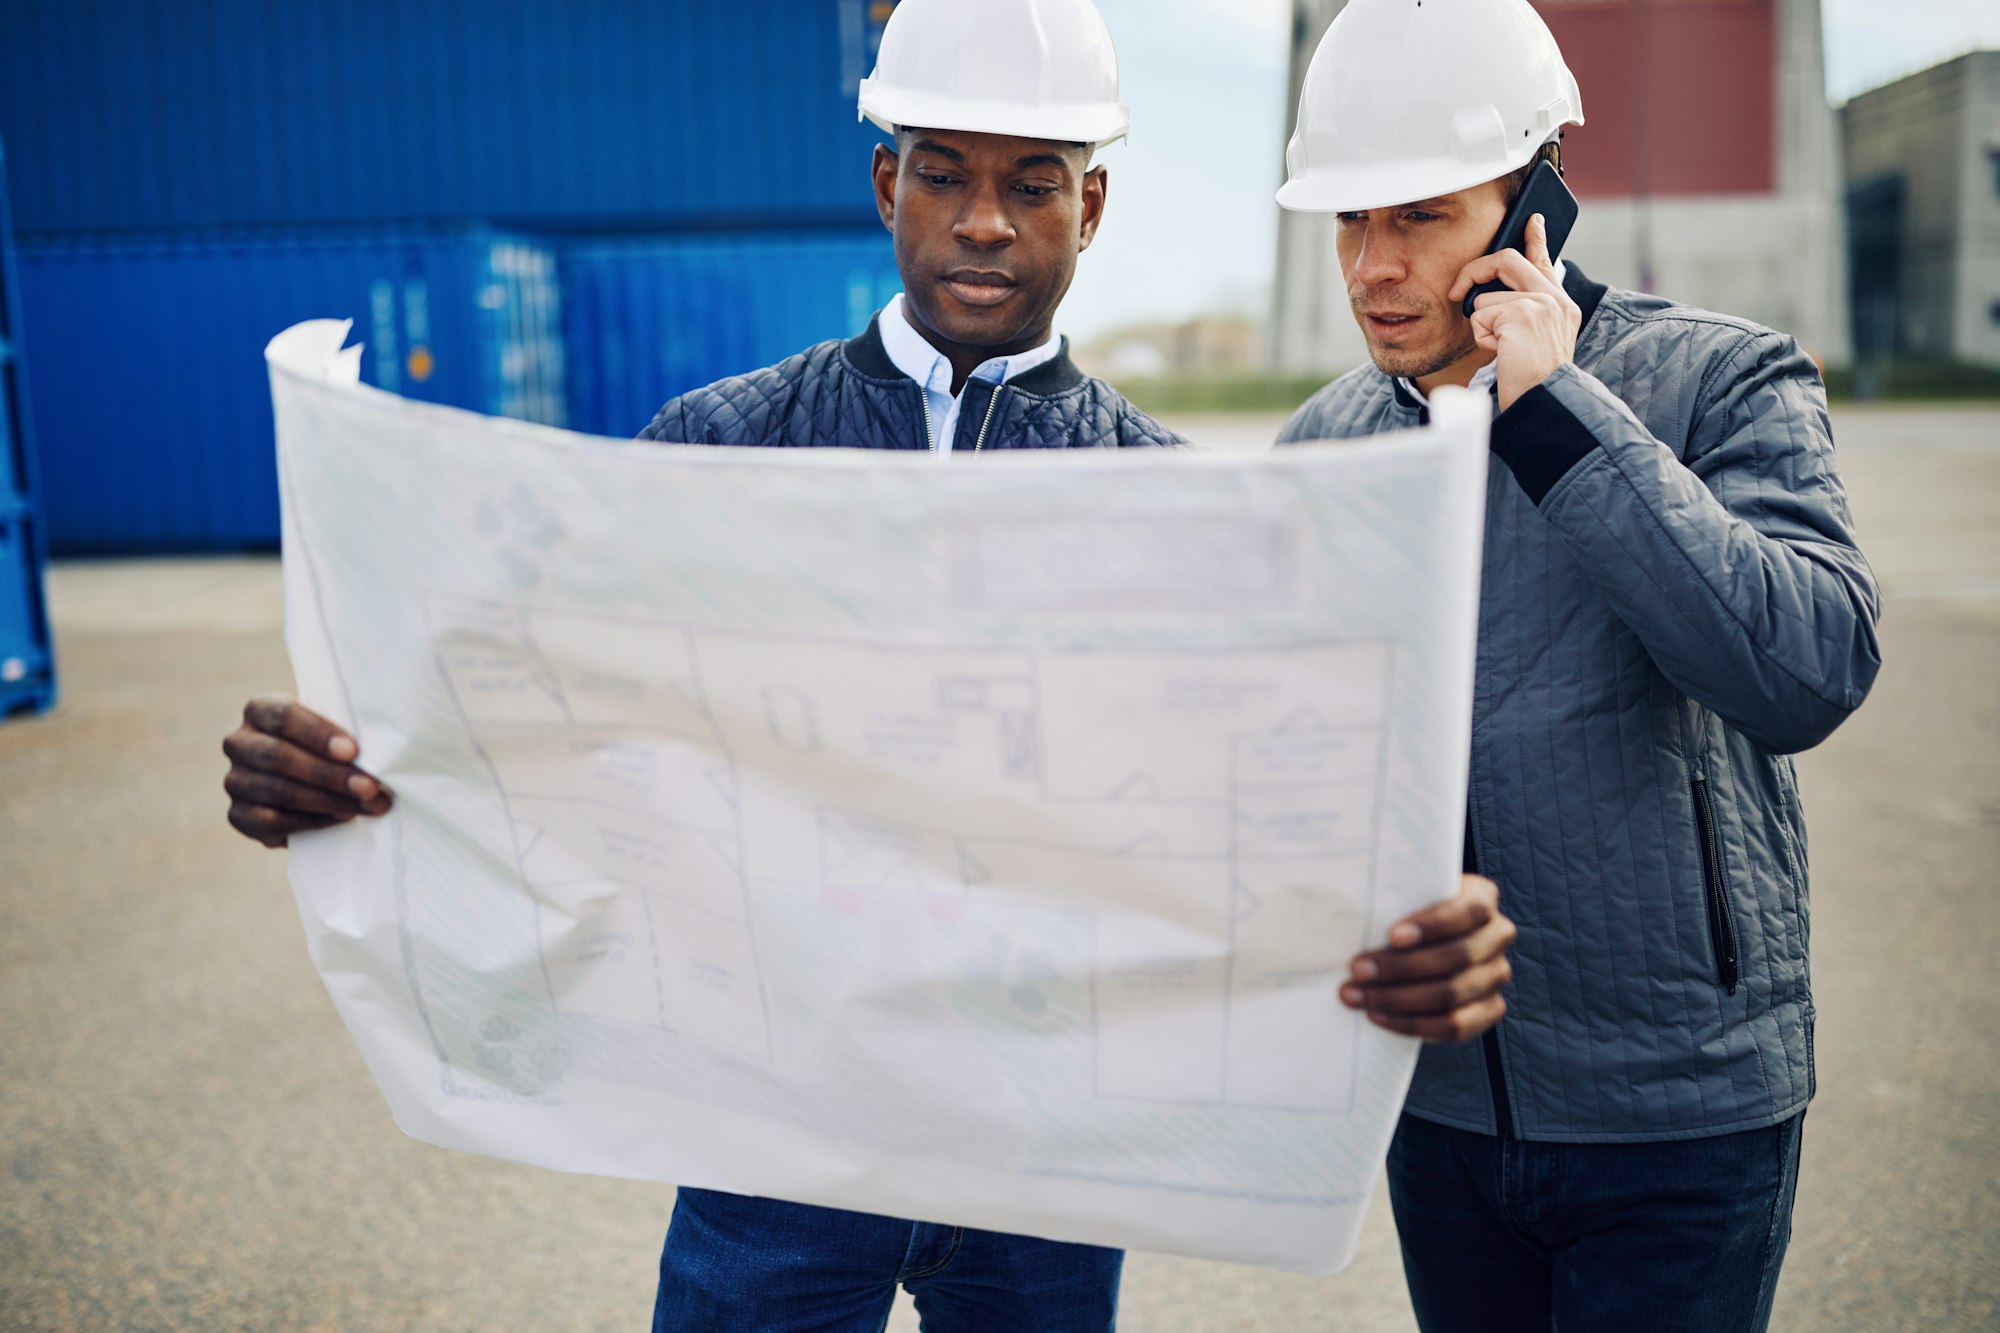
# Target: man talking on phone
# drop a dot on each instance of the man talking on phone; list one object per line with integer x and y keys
{"x": 1673, "y": 604}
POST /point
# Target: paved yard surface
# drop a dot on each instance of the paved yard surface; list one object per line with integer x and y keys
{"x": 189, "y": 1141}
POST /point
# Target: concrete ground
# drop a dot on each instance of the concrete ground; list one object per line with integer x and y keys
{"x": 188, "y": 1139}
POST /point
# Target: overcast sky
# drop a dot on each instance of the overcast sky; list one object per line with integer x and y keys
{"x": 1870, "y": 42}
{"x": 1190, "y": 226}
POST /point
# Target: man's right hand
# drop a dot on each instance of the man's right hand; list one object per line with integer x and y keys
{"x": 291, "y": 770}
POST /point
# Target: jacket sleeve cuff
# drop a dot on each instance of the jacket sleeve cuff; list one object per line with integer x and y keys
{"x": 1540, "y": 440}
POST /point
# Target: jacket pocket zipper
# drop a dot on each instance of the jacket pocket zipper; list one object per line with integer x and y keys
{"x": 1721, "y": 925}
{"x": 1496, "y": 1071}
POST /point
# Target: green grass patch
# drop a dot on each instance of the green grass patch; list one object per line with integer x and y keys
{"x": 1912, "y": 381}
{"x": 1237, "y": 393}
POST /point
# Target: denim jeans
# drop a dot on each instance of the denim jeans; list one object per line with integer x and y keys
{"x": 735, "y": 1264}
{"x": 1500, "y": 1235}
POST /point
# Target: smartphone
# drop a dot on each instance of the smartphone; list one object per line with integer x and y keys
{"x": 1546, "y": 194}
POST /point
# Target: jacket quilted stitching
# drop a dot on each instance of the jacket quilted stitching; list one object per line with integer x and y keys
{"x": 850, "y": 393}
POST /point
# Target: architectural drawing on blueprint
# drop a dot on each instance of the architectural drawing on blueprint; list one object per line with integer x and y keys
{"x": 623, "y": 812}
{"x": 978, "y": 843}
{"x": 661, "y": 780}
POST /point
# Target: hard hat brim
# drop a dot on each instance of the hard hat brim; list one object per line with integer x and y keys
{"x": 1095, "y": 124}
{"x": 1387, "y": 184}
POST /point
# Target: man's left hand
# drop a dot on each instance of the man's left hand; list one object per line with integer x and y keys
{"x": 1441, "y": 976}
{"x": 1532, "y": 328}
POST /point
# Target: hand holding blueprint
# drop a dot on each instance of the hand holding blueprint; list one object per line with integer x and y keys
{"x": 978, "y": 841}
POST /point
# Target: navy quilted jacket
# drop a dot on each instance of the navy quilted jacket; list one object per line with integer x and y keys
{"x": 850, "y": 393}
{"x": 1673, "y": 602}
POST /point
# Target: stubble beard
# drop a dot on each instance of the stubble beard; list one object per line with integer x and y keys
{"x": 1411, "y": 363}
{"x": 1415, "y": 365}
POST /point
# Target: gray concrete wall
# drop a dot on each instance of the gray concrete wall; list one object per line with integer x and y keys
{"x": 1311, "y": 329}
{"x": 1914, "y": 129}
{"x": 1779, "y": 258}
{"x": 1976, "y": 329}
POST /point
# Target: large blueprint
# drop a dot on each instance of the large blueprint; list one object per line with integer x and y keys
{"x": 974, "y": 840}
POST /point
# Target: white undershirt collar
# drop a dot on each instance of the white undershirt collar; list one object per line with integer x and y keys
{"x": 929, "y": 367}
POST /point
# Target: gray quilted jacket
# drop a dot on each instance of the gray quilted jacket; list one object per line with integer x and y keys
{"x": 1673, "y": 603}
{"x": 850, "y": 393}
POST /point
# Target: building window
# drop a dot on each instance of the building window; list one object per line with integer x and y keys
{"x": 1993, "y": 156}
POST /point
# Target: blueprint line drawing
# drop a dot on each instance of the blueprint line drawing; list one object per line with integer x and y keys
{"x": 983, "y": 842}
{"x": 629, "y": 823}
{"x": 622, "y": 802}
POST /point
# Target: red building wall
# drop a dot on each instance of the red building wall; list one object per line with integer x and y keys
{"x": 1679, "y": 95}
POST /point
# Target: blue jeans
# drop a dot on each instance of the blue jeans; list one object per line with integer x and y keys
{"x": 1501, "y": 1235}
{"x": 735, "y": 1264}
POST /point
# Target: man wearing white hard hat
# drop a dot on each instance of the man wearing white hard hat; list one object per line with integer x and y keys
{"x": 996, "y": 107}
{"x": 1673, "y": 604}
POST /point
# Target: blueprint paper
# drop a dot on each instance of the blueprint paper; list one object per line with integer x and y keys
{"x": 974, "y": 840}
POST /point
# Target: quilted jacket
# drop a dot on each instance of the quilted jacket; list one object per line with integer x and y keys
{"x": 850, "y": 393}
{"x": 1673, "y": 603}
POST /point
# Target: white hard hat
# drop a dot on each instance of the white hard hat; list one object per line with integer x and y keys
{"x": 1411, "y": 99}
{"x": 1035, "y": 69}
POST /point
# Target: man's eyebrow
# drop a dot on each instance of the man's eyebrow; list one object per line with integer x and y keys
{"x": 1041, "y": 160}
{"x": 933, "y": 146}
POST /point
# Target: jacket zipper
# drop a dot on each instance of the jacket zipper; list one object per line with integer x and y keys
{"x": 991, "y": 403}
{"x": 930, "y": 428}
{"x": 1496, "y": 1072}
{"x": 1721, "y": 925}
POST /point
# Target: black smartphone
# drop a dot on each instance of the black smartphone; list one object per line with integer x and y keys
{"x": 1543, "y": 193}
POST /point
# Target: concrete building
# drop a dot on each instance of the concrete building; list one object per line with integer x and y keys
{"x": 1923, "y": 199}
{"x": 1708, "y": 171}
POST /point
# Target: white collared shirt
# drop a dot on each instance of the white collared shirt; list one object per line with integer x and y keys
{"x": 1483, "y": 381}
{"x": 1485, "y": 378}
{"x": 931, "y": 368}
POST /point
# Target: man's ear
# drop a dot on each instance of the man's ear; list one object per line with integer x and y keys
{"x": 884, "y": 170}
{"x": 1096, "y": 184}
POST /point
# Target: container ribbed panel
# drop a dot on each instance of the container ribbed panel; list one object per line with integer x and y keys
{"x": 130, "y": 115}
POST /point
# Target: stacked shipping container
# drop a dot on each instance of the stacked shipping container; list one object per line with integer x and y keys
{"x": 150, "y": 365}
{"x": 27, "y": 656}
{"x": 563, "y": 213}
{"x": 645, "y": 314}
{"x": 140, "y": 116}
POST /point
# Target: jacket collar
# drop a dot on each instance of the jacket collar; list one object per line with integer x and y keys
{"x": 865, "y": 352}
{"x": 1588, "y": 296}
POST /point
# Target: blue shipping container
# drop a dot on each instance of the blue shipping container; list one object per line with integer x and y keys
{"x": 132, "y": 115}
{"x": 149, "y": 372}
{"x": 27, "y": 657}
{"x": 646, "y": 318}
{"x": 27, "y": 654}
{"x": 16, "y": 458}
